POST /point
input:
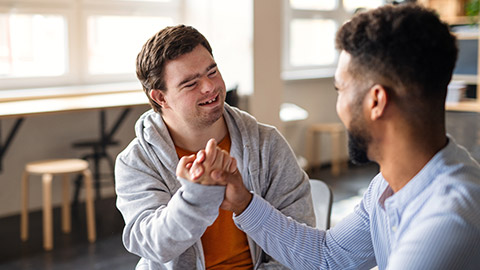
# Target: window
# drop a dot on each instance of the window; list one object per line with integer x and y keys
{"x": 106, "y": 33}
{"x": 54, "y": 42}
{"x": 310, "y": 28}
{"x": 66, "y": 42}
{"x": 31, "y": 42}
{"x": 228, "y": 26}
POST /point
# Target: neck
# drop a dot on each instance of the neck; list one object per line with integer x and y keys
{"x": 403, "y": 154}
{"x": 194, "y": 138}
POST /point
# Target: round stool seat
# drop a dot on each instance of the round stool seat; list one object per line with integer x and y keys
{"x": 57, "y": 166}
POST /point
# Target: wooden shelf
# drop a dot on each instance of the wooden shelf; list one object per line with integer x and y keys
{"x": 468, "y": 79}
{"x": 457, "y": 20}
{"x": 466, "y": 36}
{"x": 463, "y": 106}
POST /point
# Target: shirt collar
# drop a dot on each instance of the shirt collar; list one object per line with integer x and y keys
{"x": 420, "y": 181}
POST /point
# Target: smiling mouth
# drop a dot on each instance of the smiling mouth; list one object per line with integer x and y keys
{"x": 209, "y": 101}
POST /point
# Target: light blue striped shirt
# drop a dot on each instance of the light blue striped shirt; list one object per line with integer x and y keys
{"x": 433, "y": 222}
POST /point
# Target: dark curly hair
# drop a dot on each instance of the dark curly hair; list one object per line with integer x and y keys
{"x": 406, "y": 48}
{"x": 168, "y": 44}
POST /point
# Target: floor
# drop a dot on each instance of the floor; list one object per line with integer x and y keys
{"x": 71, "y": 251}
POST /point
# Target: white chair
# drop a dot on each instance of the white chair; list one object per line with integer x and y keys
{"x": 322, "y": 197}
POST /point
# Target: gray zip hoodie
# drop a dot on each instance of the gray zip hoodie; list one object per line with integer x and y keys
{"x": 165, "y": 217}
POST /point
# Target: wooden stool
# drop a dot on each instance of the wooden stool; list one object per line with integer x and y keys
{"x": 335, "y": 130}
{"x": 48, "y": 168}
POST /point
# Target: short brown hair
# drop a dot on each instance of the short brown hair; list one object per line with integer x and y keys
{"x": 168, "y": 44}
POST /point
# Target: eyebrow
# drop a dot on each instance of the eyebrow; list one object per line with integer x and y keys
{"x": 194, "y": 76}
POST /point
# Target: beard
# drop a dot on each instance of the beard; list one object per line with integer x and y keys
{"x": 206, "y": 119}
{"x": 358, "y": 141}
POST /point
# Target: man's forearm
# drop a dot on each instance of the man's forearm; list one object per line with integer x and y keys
{"x": 281, "y": 237}
{"x": 163, "y": 234}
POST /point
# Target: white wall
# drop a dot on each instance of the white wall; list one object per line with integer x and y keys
{"x": 267, "y": 51}
{"x": 318, "y": 97}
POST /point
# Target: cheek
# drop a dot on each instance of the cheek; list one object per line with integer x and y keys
{"x": 219, "y": 82}
{"x": 342, "y": 109}
{"x": 182, "y": 100}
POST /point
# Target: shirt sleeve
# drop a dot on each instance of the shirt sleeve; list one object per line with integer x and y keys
{"x": 282, "y": 183}
{"x": 299, "y": 246}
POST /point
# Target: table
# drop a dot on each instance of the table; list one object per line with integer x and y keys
{"x": 24, "y": 103}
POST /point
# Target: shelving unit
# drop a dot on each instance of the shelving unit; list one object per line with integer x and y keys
{"x": 453, "y": 12}
{"x": 468, "y": 78}
{"x": 472, "y": 79}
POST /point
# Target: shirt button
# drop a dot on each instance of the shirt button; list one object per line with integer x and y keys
{"x": 394, "y": 228}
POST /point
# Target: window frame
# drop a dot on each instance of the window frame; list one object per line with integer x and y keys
{"x": 76, "y": 13}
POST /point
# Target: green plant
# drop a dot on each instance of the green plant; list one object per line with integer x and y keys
{"x": 472, "y": 9}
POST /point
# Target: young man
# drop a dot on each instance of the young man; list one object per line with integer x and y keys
{"x": 163, "y": 225}
{"x": 421, "y": 210}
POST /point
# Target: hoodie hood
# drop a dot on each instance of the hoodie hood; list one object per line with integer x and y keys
{"x": 152, "y": 133}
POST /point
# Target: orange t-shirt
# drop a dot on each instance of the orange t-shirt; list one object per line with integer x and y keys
{"x": 224, "y": 245}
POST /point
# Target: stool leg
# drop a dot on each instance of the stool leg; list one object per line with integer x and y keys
{"x": 92, "y": 235}
{"x": 24, "y": 216}
{"x": 335, "y": 153}
{"x": 66, "y": 214}
{"x": 47, "y": 212}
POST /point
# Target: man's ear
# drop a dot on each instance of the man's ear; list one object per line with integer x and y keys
{"x": 159, "y": 97}
{"x": 377, "y": 102}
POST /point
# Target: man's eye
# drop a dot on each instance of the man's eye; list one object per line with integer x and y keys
{"x": 212, "y": 73}
{"x": 190, "y": 85}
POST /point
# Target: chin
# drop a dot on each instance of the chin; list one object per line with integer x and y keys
{"x": 212, "y": 117}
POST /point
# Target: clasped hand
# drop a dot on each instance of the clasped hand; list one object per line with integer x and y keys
{"x": 214, "y": 166}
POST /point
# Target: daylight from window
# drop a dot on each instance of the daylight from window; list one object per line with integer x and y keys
{"x": 32, "y": 45}
{"x": 311, "y": 28}
{"x": 114, "y": 41}
{"x": 302, "y": 40}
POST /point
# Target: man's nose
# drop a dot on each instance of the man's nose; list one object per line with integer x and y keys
{"x": 207, "y": 85}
